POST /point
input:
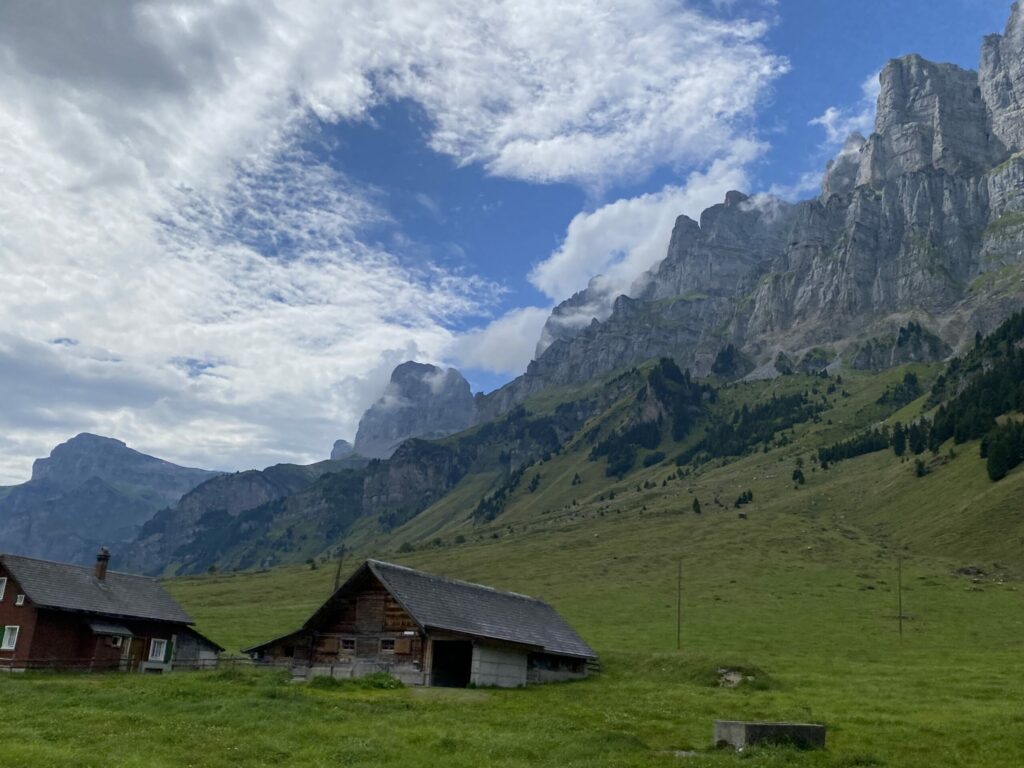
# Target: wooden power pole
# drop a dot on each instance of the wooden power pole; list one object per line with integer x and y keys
{"x": 337, "y": 571}
{"x": 679, "y": 606}
{"x": 899, "y": 593}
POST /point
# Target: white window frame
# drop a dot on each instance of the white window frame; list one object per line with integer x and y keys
{"x": 10, "y": 639}
{"x": 19, "y": 600}
{"x": 157, "y": 642}
{"x": 116, "y": 641}
{"x": 387, "y": 640}
{"x": 3, "y": 587}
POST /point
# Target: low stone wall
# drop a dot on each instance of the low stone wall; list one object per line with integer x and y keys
{"x": 548, "y": 668}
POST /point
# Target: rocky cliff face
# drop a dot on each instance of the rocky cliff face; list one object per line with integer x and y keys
{"x": 921, "y": 225}
{"x": 421, "y": 401}
{"x": 1001, "y": 81}
{"x": 90, "y": 491}
{"x": 202, "y": 511}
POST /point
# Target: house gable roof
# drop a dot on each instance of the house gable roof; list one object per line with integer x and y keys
{"x": 76, "y": 588}
{"x": 473, "y": 609}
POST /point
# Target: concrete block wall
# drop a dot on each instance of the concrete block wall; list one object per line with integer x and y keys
{"x": 410, "y": 674}
{"x": 537, "y": 675}
{"x": 499, "y": 667}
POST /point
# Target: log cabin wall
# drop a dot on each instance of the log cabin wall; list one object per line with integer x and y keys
{"x": 366, "y": 630}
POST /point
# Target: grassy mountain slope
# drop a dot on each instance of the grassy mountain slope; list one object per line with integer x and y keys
{"x": 800, "y": 594}
{"x": 652, "y": 440}
{"x": 953, "y": 510}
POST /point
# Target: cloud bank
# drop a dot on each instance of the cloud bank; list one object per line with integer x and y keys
{"x": 180, "y": 274}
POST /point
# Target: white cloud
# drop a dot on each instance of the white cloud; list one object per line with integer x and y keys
{"x": 506, "y": 345}
{"x": 622, "y": 240}
{"x": 839, "y": 122}
{"x": 809, "y": 182}
{"x": 155, "y": 205}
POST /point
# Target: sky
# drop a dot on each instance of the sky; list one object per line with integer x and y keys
{"x": 222, "y": 224}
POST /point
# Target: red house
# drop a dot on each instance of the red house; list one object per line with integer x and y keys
{"x": 60, "y": 615}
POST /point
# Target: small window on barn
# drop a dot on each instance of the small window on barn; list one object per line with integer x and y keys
{"x": 157, "y": 649}
{"x": 116, "y": 641}
{"x": 387, "y": 645}
{"x": 348, "y": 643}
{"x": 19, "y": 600}
{"x": 3, "y": 586}
{"x": 10, "y": 639}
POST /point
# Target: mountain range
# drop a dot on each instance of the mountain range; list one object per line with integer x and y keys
{"x": 922, "y": 221}
{"x": 90, "y": 491}
{"x": 768, "y": 326}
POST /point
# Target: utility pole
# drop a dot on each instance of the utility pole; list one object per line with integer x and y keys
{"x": 679, "y": 606}
{"x": 899, "y": 592}
{"x": 337, "y": 571}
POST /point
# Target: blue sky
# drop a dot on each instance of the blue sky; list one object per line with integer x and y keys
{"x": 466, "y": 218}
{"x": 225, "y": 224}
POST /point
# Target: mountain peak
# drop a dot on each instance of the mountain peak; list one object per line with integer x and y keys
{"x": 90, "y": 490}
{"x": 89, "y": 439}
{"x": 341, "y": 449}
{"x": 421, "y": 400}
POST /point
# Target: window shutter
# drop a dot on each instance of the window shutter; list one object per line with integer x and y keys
{"x": 169, "y": 650}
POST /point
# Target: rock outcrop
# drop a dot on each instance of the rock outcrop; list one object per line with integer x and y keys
{"x": 921, "y": 225}
{"x": 1001, "y": 80}
{"x": 421, "y": 401}
{"x": 342, "y": 449}
{"x": 90, "y": 491}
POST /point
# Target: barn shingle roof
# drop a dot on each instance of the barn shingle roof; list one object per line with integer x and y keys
{"x": 76, "y": 588}
{"x": 473, "y": 609}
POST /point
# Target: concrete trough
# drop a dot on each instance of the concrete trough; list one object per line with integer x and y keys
{"x": 740, "y": 734}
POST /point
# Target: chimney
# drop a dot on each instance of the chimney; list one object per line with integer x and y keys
{"x": 102, "y": 558}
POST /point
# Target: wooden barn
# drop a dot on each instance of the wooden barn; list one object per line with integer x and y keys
{"x": 70, "y": 616}
{"x": 429, "y": 630}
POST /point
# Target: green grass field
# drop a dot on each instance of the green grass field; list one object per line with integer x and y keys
{"x": 801, "y": 595}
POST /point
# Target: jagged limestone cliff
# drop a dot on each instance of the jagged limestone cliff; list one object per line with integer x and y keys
{"x": 921, "y": 223}
{"x": 420, "y": 401}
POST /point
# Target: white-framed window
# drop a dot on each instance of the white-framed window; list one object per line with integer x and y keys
{"x": 348, "y": 643}
{"x": 157, "y": 649}
{"x": 10, "y": 638}
{"x": 387, "y": 645}
{"x": 19, "y": 600}
{"x": 3, "y": 586}
{"x": 116, "y": 641}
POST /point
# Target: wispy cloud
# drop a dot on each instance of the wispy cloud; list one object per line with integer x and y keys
{"x": 840, "y": 122}
{"x": 623, "y": 239}
{"x": 226, "y": 306}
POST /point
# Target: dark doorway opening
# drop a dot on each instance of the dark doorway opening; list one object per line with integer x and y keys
{"x": 452, "y": 663}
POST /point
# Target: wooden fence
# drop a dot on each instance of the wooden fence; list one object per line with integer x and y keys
{"x": 117, "y": 665}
